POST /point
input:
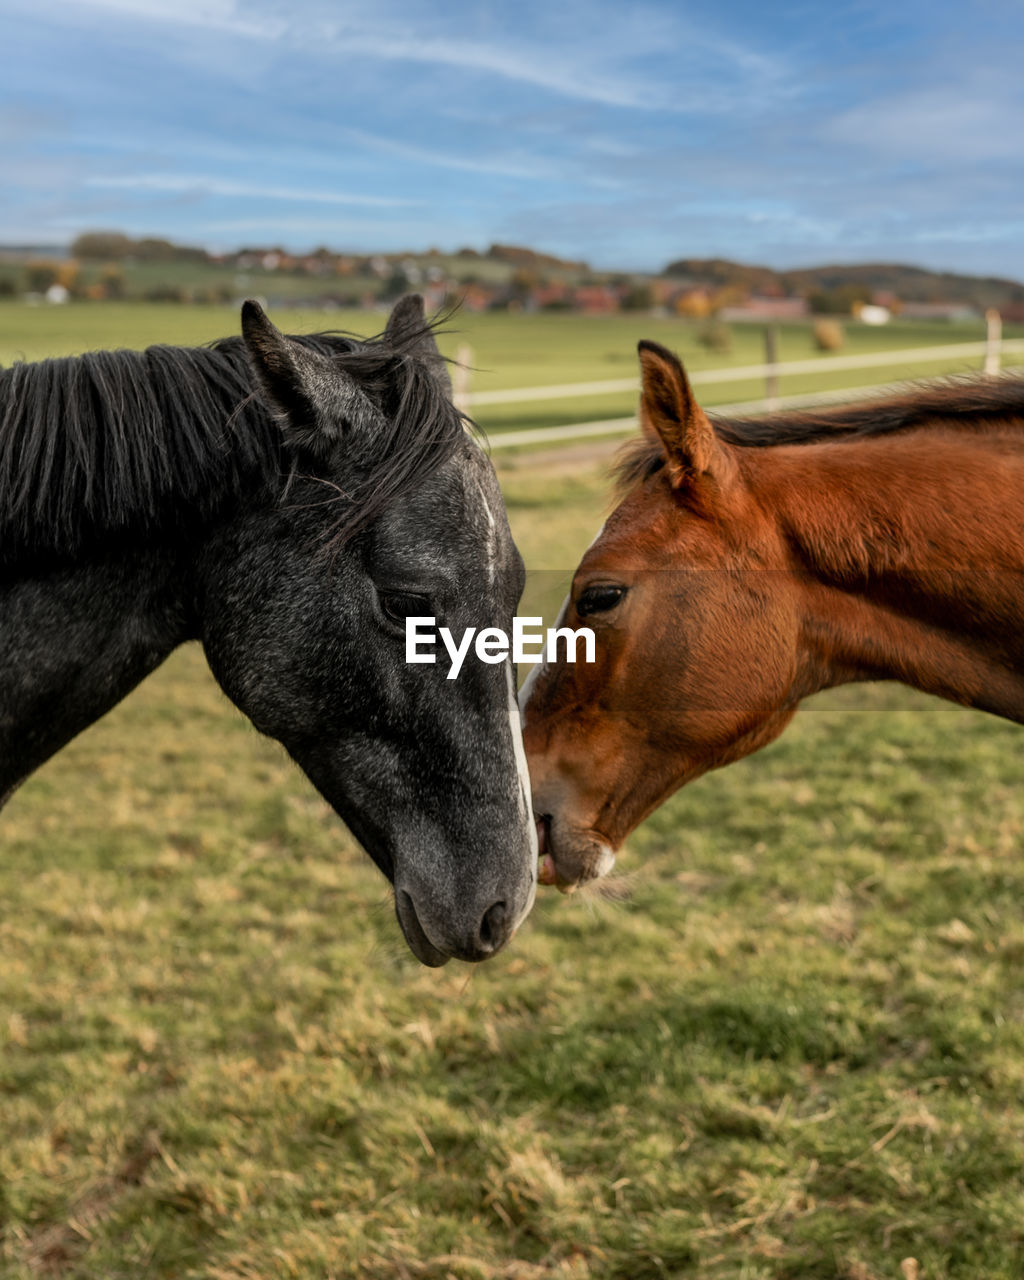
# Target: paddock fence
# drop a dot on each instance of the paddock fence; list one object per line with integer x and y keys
{"x": 991, "y": 350}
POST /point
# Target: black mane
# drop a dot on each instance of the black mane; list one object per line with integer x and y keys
{"x": 130, "y": 441}
{"x": 960, "y": 401}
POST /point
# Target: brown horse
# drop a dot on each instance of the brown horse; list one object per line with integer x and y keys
{"x": 750, "y": 564}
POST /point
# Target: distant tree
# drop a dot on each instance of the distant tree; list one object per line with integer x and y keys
{"x": 102, "y": 246}
{"x": 115, "y": 246}
{"x": 394, "y": 285}
{"x": 112, "y": 281}
{"x": 715, "y": 336}
{"x": 40, "y": 274}
{"x": 164, "y": 293}
{"x": 518, "y": 256}
{"x": 730, "y": 295}
{"x": 639, "y": 296}
{"x": 694, "y": 303}
{"x": 839, "y": 301}
{"x": 154, "y": 249}
{"x": 521, "y": 286}
{"x": 67, "y": 274}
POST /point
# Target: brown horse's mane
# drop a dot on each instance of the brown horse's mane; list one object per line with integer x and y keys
{"x": 962, "y": 402}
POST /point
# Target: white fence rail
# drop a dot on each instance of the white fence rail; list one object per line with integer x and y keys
{"x": 744, "y": 373}
{"x": 623, "y": 426}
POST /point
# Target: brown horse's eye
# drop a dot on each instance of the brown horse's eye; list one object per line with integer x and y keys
{"x": 400, "y": 605}
{"x": 598, "y": 599}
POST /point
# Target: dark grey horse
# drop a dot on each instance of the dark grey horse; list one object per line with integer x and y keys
{"x": 291, "y": 522}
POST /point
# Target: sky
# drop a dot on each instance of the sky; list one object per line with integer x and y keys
{"x": 789, "y": 134}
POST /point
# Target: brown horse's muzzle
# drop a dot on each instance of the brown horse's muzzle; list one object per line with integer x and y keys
{"x": 571, "y": 853}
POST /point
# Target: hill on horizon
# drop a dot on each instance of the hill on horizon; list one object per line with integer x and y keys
{"x": 908, "y": 283}
{"x": 112, "y": 264}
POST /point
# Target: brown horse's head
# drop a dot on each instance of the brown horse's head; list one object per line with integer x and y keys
{"x": 688, "y": 578}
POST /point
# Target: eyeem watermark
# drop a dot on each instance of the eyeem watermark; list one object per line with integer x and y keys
{"x": 493, "y": 645}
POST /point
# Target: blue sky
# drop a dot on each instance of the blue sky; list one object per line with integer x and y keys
{"x": 626, "y": 134}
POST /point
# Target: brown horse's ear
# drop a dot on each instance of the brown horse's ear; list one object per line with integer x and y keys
{"x": 670, "y": 413}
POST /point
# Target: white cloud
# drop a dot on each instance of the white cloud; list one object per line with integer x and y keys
{"x": 587, "y": 59}
{"x": 530, "y": 66}
{"x": 194, "y": 184}
{"x": 1008, "y": 232}
{"x": 521, "y": 166}
{"x": 354, "y": 233}
{"x": 953, "y": 123}
{"x": 220, "y": 15}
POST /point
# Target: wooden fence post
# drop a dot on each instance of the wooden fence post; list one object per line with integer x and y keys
{"x": 993, "y": 340}
{"x": 460, "y": 377}
{"x": 771, "y": 359}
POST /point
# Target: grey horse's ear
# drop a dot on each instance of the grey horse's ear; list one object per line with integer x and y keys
{"x": 408, "y": 329}
{"x": 277, "y": 365}
{"x": 314, "y": 400}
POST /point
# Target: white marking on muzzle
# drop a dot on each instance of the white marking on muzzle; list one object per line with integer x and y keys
{"x": 606, "y": 860}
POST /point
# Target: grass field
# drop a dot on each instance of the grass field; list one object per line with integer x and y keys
{"x": 510, "y": 351}
{"x": 786, "y": 1041}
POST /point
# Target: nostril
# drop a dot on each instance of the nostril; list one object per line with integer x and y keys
{"x": 493, "y": 927}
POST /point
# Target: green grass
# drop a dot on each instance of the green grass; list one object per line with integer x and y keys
{"x": 33, "y": 333}
{"x": 508, "y": 351}
{"x": 787, "y": 1041}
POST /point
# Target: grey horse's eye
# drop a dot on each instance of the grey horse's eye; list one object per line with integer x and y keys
{"x": 599, "y": 599}
{"x": 400, "y": 605}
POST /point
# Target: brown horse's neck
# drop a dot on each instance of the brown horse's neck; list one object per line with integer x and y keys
{"x": 908, "y": 552}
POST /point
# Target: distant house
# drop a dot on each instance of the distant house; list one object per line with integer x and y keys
{"x": 695, "y": 303}
{"x": 950, "y": 311}
{"x": 664, "y": 292}
{"x": 873, "y": 313}
{"x": 596, "y": 300}
{"x": 434, "y": 296}
{"x": 762, "y": 308}
{"x": 551, "y": 295}
{"x": 475, "y": 297}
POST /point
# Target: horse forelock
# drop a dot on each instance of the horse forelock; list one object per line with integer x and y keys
{"x": 423, "y": 430}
